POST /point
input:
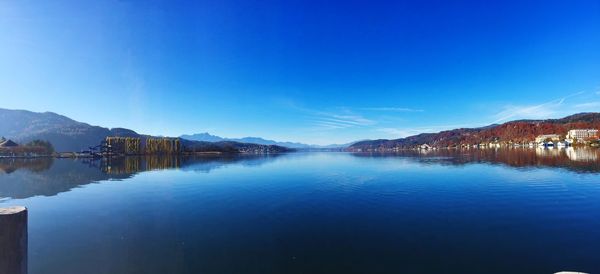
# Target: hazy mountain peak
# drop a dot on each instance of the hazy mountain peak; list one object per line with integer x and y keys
{"x": 207, "y": 137}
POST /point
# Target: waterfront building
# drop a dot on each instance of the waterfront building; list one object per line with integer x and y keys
{"x": 551, "y": 137}
{"x": 149, "y": 145}
{"x": 582, "y": 134}
{"x": 162, "y": 146}
{"x": 6, "y": 143}
{"x": 123, "y": 145}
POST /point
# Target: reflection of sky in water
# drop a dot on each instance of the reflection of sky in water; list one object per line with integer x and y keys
{"x": 30, "y": 177}
{"x": 447, "y": 212}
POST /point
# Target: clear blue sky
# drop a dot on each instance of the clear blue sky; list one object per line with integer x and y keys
{"x": 312, "y": 71}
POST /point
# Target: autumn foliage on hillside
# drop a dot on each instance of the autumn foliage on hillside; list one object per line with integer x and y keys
{"x": 510, "y": 132}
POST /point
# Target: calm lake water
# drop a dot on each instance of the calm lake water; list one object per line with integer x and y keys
{"x": 478, "y": 211}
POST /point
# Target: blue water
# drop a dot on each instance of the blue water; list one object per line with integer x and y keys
{"x": 458, "y": 212}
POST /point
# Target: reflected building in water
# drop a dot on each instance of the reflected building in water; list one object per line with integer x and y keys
{"x": 23, "y": 178}
{"x": 582, "y": 155}
{"x": 548, "y": 152}
{"x": 573, "y": 159}
{"x": 135, "y": 164}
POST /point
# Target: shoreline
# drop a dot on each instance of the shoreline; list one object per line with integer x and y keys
{"x": 72, "y": 155}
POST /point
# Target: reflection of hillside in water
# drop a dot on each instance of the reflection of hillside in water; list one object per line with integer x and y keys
{"x": 205, "y": 163}
{"x": 574, "y": 159}
{"x": 23, "y": 178}
{"x": 58, "y": 175}
{"x": 10, "y": 165}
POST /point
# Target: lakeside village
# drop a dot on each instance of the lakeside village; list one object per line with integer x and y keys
{"x": 574, "y": 137}
{"x": 120, "y": 146}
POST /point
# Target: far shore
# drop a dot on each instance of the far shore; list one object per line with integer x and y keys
{"x": 76, "y": 155}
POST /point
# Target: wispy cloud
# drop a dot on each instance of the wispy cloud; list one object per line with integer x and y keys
{"x": 539, "y": 111}
{"x": 337, "y": 121}
{"x": 405, "y": 132}
{"x": 592, "y": 106}
{"x": 400, "y": 132}
{"x": 392, "y": 109}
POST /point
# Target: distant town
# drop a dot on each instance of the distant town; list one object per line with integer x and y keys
{"x": 575, "y": 137}
{"x": 48, "y": 134}
{"x": 571, "y": 131}
{"x": 119, "y": 146}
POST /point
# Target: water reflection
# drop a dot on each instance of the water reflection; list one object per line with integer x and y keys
{"x": 573, "y": 159}
{"x": 24, "y": 178}
{"x": 10, "y": 165}
{"x": 582, "y": 155}
{"x": 132, "y": 165}
{"x": 305, "y": 212}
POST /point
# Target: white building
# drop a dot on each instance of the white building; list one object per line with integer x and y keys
{"x": 582, "y": 134}
{"x": 552, "y": 137}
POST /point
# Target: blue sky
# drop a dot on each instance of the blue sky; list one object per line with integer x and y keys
{"x": 312, "y": 71}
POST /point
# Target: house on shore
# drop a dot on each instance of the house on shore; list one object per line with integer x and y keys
{"x": 551, "y": 137}
{"x": 425, "y": 146}
{"x": 582, "y": 134}
{"x": 8, "y": 148}
{"x": 7, "y": 143}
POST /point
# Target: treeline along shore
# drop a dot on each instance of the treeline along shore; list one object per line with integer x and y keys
{"x": 128, "y": 146}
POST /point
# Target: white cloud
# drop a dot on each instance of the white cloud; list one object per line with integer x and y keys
{"x": 400, "y": 132}
{"x": 541, "y": 111}
{"x": 335, "y": 121}
{"x": 330, "y": 120}
{"x": 405, "y": 132}
{"x": 591, "y": 106}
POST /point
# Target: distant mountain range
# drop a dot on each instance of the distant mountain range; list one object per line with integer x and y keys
{"x": 66, "y": 134}
{"x": 207, "y": 137}
{"x": 515, "y": 131}
{"x": 69, "y": 135}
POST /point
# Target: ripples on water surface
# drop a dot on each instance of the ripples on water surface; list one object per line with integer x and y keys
{"x": 512, "y": 211}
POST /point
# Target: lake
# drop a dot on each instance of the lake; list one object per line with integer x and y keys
{"x": 445, "y": 211}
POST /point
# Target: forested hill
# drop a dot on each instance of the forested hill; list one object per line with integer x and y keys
{"x": 66, "y": 134}
{"x": 514, "y": 131}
